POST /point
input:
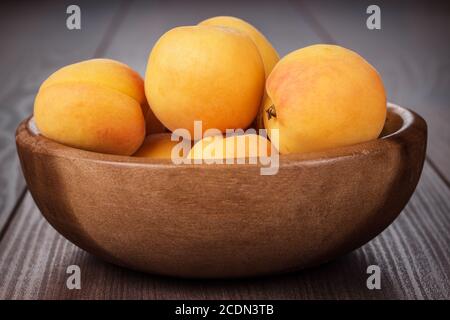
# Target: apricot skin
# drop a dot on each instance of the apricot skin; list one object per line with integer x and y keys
{"x": 220, "y": 147}
{"x": 96, "y": 105}
{"x": 268, "y": 53}
{"x": 324, "y": 96}
{"x": 157, "y": 146}
{"x": 103, "y": 72}
{"x": 90, "y": 117}
{"x": 212, "y": 74}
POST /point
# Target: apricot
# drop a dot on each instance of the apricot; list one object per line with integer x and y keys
{"x": 212, "y": 74}
{"x": 324, "y": 96}
{"x": 233, "y": 147}
{"x": 258, "y": 123}
{"x": 96, "y": 105}
{"x": 268, "y": 53}
{"x": 157, "y": 146}
{"x": 103, "y": 72}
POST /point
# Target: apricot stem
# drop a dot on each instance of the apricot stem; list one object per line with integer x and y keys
{"x": 271, "y": 112}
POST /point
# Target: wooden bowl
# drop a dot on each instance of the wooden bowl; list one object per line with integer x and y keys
{"x": 209, "y": 221}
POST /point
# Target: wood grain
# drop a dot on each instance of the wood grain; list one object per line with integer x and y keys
{"x": 412, "y": 253}
{"x": 35, "y": 43}
{"x": 408, "y": 51}
{"x": 152, "y": 215}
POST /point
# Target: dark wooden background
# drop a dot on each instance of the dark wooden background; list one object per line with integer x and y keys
{"x": 411, "y": 52}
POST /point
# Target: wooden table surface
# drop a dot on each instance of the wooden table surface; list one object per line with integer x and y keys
{"x": 411, "y": 51}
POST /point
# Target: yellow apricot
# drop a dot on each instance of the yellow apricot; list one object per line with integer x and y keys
{"x": 233, "y": 147}
{"x": 324, "y": 96}
{"x": 212, "y": 74}
{"x": 268, "y": 53}
{"x": 92, "y": 105}
{"x": 103, "y": 72}
{"x": 157, "y": 146}
{"x": 90, "y": 117}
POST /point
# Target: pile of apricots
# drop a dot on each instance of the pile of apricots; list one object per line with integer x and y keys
{"x": 225, "y": 73}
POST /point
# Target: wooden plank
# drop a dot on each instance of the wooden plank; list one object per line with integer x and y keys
{"x": 411, "y": 52}
{"x": 35, "y": 43}
{"x": 412, "y": 253}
